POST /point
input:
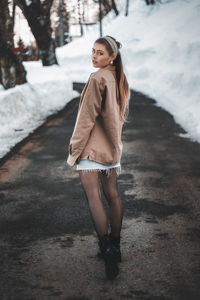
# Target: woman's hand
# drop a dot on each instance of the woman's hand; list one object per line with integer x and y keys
{"x": 77, "y": 161}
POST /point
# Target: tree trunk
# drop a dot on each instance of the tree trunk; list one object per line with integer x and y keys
{"x": 38, "y": 17}
{"x": 109, "y": 5}
{"x": 106, "y": 5}
{"x": 127, "y": 8}
{"x": 114, "y": 6}
{"x": 150, "y": 2}
{"x": 12, "y": 71}
{"x": 79, "y": 18}
{"x": 61, "y": 37}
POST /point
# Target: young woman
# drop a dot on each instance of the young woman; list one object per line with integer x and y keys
{"x": 95, "y": 147}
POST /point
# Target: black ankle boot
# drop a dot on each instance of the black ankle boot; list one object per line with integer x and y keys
{"x": 111, "y": 267}
{"x": 116, "y": 245}
{"x": 115, "y": 241}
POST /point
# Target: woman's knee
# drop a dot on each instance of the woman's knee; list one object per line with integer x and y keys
{"x": 111, "y": 196}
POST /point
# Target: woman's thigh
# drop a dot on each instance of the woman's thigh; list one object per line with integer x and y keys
{"x": 90, "y": 182}
{"x": 109, "y": 184}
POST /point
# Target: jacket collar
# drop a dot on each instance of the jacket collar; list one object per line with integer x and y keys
{"x": 109, "y": 67}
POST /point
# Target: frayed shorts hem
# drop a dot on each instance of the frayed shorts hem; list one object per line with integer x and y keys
{"x": 107, "y": 170}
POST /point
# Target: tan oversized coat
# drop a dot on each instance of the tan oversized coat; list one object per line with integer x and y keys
{"x": 98, "y": 128}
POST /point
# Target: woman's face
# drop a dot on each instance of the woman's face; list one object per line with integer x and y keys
{"x": 100, "y": 56}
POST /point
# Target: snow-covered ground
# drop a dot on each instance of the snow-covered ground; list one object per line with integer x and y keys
{"x": 25, "y": 107}
{"x": 161, "y": 54}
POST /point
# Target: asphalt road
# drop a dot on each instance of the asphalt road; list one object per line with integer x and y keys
{"x": 48, "y": 244}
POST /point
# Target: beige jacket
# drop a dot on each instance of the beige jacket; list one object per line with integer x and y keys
{"x": 98, "y": 128}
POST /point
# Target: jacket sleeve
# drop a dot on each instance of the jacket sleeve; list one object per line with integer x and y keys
{"x": 89, "y": 109}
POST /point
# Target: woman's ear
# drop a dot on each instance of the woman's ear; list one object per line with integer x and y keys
{"x": 114, "y": 55}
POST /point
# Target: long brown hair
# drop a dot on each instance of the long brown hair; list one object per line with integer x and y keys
{"x": 124, "y": 91}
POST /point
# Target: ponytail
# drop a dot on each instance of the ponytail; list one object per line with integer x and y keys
{"x": 123, "y": 86}
{"x": 122, "y": 83}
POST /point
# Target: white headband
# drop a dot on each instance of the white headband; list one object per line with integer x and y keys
{"x": 112, "y": 43}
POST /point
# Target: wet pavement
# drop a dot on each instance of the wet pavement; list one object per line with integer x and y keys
{"x": 48, "y": 244}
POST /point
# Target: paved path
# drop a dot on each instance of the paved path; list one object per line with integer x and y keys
{"x": 47, "y": 241}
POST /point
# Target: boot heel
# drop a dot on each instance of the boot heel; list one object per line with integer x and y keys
{"x": 116, "y": 247}
{"x": 111, "y": 266}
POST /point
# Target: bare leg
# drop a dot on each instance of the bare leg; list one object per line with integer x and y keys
{"x": 90, "y": 183}
{"x": 109, "y": 184}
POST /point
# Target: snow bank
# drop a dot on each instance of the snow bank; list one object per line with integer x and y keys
{"x": 25, "y": 107}
{"x": 165, "y": 55}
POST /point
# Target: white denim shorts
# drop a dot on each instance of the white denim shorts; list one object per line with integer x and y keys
{"x": 91, "y": 165}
